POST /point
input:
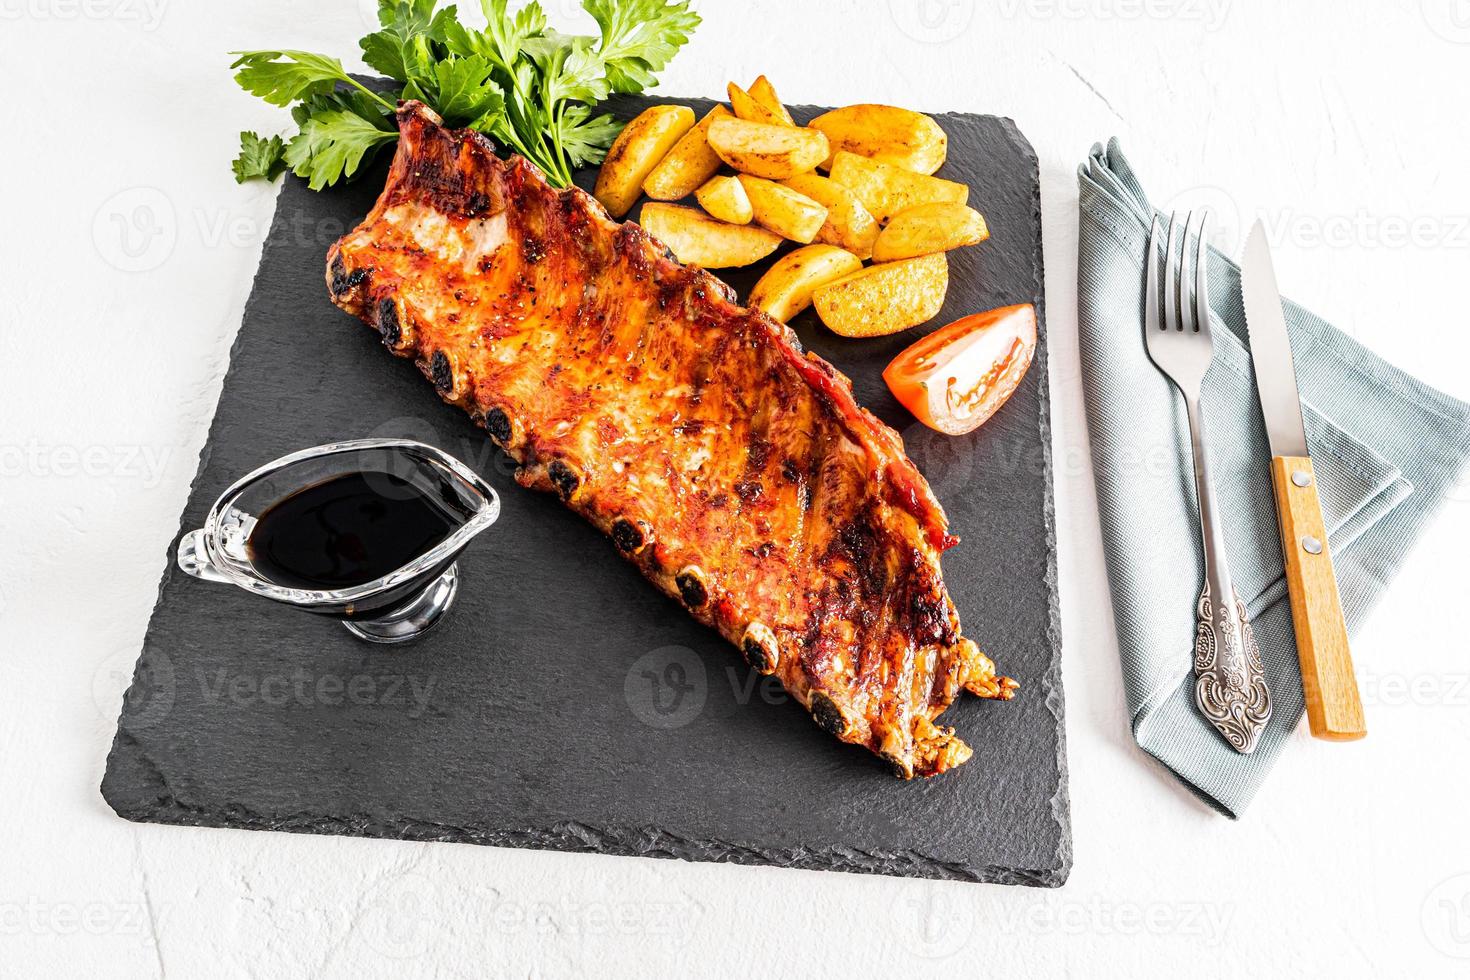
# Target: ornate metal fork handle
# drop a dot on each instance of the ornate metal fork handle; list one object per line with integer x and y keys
{"x": 1229, "y": 685}
{"x": 1229, "y": 681}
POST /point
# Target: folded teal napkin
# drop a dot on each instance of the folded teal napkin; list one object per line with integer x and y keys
{"x": 1387, "y": 448}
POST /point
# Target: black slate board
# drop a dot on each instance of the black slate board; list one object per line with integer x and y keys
{"x": 565, "y": 703}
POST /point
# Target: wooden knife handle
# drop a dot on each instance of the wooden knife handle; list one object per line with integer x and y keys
{"x": 1334, "y": 709}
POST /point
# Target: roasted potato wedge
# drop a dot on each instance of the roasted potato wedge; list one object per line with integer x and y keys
{"x": 694, "y": 237}
{"x": 725, "y": 198}
{"x": 926, "y": 228}
{"x": 786, "y": 288}
{"x": 885, "y": 189}
{"x": 885, "y": 298}
{"x": 765, "y": 93}
{"x": 767, "y": 150}
{"x": 902, "y": 137}
{"x": 783, "y": 210}
{"x": 849, "y": 225}
{"x": 689, "y": 164}
{"x": 636, "y": 151}
{"x": 747, "y": 106}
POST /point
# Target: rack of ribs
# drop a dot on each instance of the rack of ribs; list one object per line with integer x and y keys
{"x": 736, "y": 472}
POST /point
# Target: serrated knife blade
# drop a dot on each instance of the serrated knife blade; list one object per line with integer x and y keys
{"x": 1281, "y": 404}
{"x": 1329, "y": 686}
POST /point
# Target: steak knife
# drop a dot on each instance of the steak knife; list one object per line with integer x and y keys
{"x": 1334, "y": 708}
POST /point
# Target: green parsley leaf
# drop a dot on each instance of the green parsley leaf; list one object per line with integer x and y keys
{"x": 301, "y": 76}
{"x": 586, "y": 139}
{"x": 384, "y": 52}
{"x": 411, "y": 38}
{"x": 504, "y": 35}
{"x": 259, "y": 157}
{"x": 460, "y": 90}
{"x": 639, "y": 38}
{"x": 571, "y": 68}
{"x": 333, "y": 143}
{"x": 406, "y": 17}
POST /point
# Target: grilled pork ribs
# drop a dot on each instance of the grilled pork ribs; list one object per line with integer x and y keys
{"x": 736, "y": 472}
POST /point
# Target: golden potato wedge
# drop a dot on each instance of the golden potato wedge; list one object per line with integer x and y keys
{"x": 886, "y": 190}
{"x": 886, "y": 298}
{"x": 786, "y": 288}
{"x": 765, "y": 93}
{"x": 902, "y": 137}
{"x": 725, "y": 198}
{"x": 849, "y": 225}
{"x": 767, "y": 150}
{"x": 746, "y": 106}
{"x": 926, "y": 228}
{"x": 690, "y": 163}
{"x": 783, "y": 210}
{"x": 636, "y": 151}
{"x": 695, "y": 237}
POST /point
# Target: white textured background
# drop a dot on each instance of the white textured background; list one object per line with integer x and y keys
{"x": 125, "y": 261}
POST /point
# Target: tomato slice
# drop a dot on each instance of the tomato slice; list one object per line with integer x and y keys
{"x": 955, "y": 378}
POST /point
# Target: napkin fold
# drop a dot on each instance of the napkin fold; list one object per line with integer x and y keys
{"x": 1388, "y": 450}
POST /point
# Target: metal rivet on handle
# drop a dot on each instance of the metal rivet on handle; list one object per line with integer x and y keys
{"x": 1311, "y": 545}
{"x": 1301, "y": 478}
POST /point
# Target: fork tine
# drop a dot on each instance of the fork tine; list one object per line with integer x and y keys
{"x": 1171, "y": 275}
{"x": 1201, "y": 277}
{"x": 1189, "y": 305}
{"x": 1151, "y": 318}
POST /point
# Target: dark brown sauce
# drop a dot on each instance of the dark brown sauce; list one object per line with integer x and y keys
{"x": 348, "y": 530}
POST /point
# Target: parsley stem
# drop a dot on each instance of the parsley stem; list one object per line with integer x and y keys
{"x": 370, "y": 93}
{"x": 561, "y": 152}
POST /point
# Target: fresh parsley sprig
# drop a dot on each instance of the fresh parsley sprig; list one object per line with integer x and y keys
{"x": 530, "y": 88}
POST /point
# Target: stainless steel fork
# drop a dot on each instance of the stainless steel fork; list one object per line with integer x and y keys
{"x": 1229, "y": 686}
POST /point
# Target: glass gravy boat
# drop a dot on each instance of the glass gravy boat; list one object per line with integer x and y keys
{"x": 391, "y": 478}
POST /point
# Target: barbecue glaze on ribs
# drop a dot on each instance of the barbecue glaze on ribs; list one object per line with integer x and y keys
{"x": 736, "y": 472}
